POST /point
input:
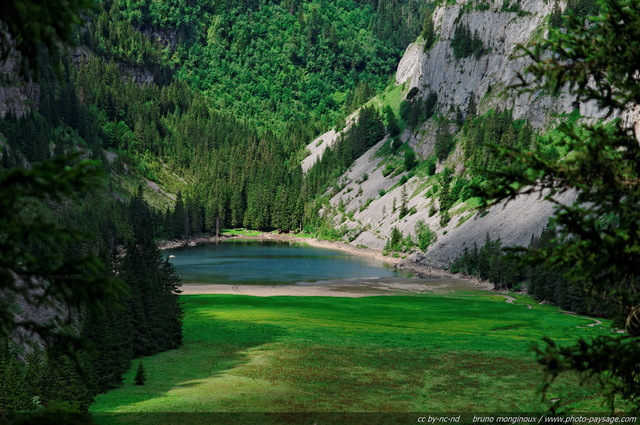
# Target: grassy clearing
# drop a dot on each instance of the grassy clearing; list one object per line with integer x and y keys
{"x": 241, "y": 232}
{"x": 460, "y": 353}
{"x": 127, "y": 186}
{"x": 391, "y": 96}
{"x": 471, "y": 204}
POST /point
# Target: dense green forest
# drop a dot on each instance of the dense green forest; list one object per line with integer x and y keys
{"x": 96, "y": 347}
{"x": 275, "y": 74}
{"x": 144, "y": 321}
{"x": 73, "y": 359}
{"x": 508, "y": 272}
{"x": 223, "y": 94}
{"x": 226, "y": 95}
{"x": 267, "y": 62}
{"x": 198, "y": 110}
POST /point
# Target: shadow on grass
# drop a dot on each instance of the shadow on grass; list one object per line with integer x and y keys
{"x": 211, "y": 348}
{"x": 304, "y": 418}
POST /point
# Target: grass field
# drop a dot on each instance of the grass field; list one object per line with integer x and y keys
{"x": 241, "y": 232}
{"x": 466, "y": 352}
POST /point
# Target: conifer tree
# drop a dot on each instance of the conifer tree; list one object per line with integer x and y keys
{"x": 410, "y": 160}
{"x": 5, "y": 159}
{"x": 472, "y": 108}
{"x": 428, "y": 32}
{"x": 392, "y": 122}
{"x": 141, "y": 376}
{"x": 444, "y": 142}
{"x": 403, "y": 202}
{"x": 600, "y": 256}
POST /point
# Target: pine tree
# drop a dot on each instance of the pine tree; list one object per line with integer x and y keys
{"x": 430, "y": 105}
{"x": 5, "y": 158}
{"x": 141, "y": 217}
{"x": 599, "y": 232}
{"x": 392, "y": 122}
{"x": 444, "y": 142}
{"x": 179, "y": 218}
{"x": 12, "y": 382}
{"x": 403, "y": 202}
{"x": 428, "y": 32}
{"x": 141, "y": 376}
{"x": 472, "y": 108}
{"x": 394, "y": 242}
{"x": 410, "y": 160}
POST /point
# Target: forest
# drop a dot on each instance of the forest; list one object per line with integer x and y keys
{"x": 225, "y": 95}
{"x": 217, "y": 101}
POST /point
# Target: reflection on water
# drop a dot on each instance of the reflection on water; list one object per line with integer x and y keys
{"x": 270, "y": 262}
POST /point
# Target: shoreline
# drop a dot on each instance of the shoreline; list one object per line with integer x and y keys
{"x": 420, "y": 270}
{"x": 181, "y": 243}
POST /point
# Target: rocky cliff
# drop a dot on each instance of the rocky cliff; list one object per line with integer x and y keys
{"x": 488, "y": 78}
{"x": 17, "y": 96}
{"x": 367, "y": 203}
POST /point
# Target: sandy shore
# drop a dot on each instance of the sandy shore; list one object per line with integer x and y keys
{"x": 352, "y": 288}
{"x": 427, "y": 279}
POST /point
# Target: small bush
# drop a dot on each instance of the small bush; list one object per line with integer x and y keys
{"x": 445, "y": 218}
{"x": 395, "y": 145}
{"x": 413, "y": 93}
{"x": 424, "y": 235}
{"x": 410, "y": 160}
{"x": 431, "y": 166}
{"x": 388, "y": 169}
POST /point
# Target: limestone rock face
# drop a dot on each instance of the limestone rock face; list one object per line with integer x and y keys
{"x": 368, "y": 204}
{"x": 411, "y": 63}
{"x": 487, "y": 77}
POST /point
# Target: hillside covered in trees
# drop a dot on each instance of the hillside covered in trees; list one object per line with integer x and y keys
{"x": 196, "y": 117}
{"x": 213, "y": 102}
{"x": 270, "y": 63}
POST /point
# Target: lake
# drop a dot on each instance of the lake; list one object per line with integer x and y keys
{"x": 271, "y": 262}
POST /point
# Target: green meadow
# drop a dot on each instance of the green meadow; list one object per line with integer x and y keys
{"x": 465, "y": 352}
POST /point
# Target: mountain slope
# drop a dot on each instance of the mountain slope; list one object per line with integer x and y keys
{"x": 369, "y": 204}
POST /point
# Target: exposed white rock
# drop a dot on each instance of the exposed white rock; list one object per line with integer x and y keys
{"x": 410, "y": 63}
{"x": 514, "y": 223}
{"x": 368, "y": 202}
{"x": 490, "y": 76}
{"x": 317, "y": 148}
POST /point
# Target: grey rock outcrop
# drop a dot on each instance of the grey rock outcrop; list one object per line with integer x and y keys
{"x": 487, "y": 76}
{"x": 368, "y": 203}
{"x": 17, "y": 97}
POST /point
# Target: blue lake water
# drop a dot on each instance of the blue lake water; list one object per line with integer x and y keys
{"x": 270, "y": 262}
